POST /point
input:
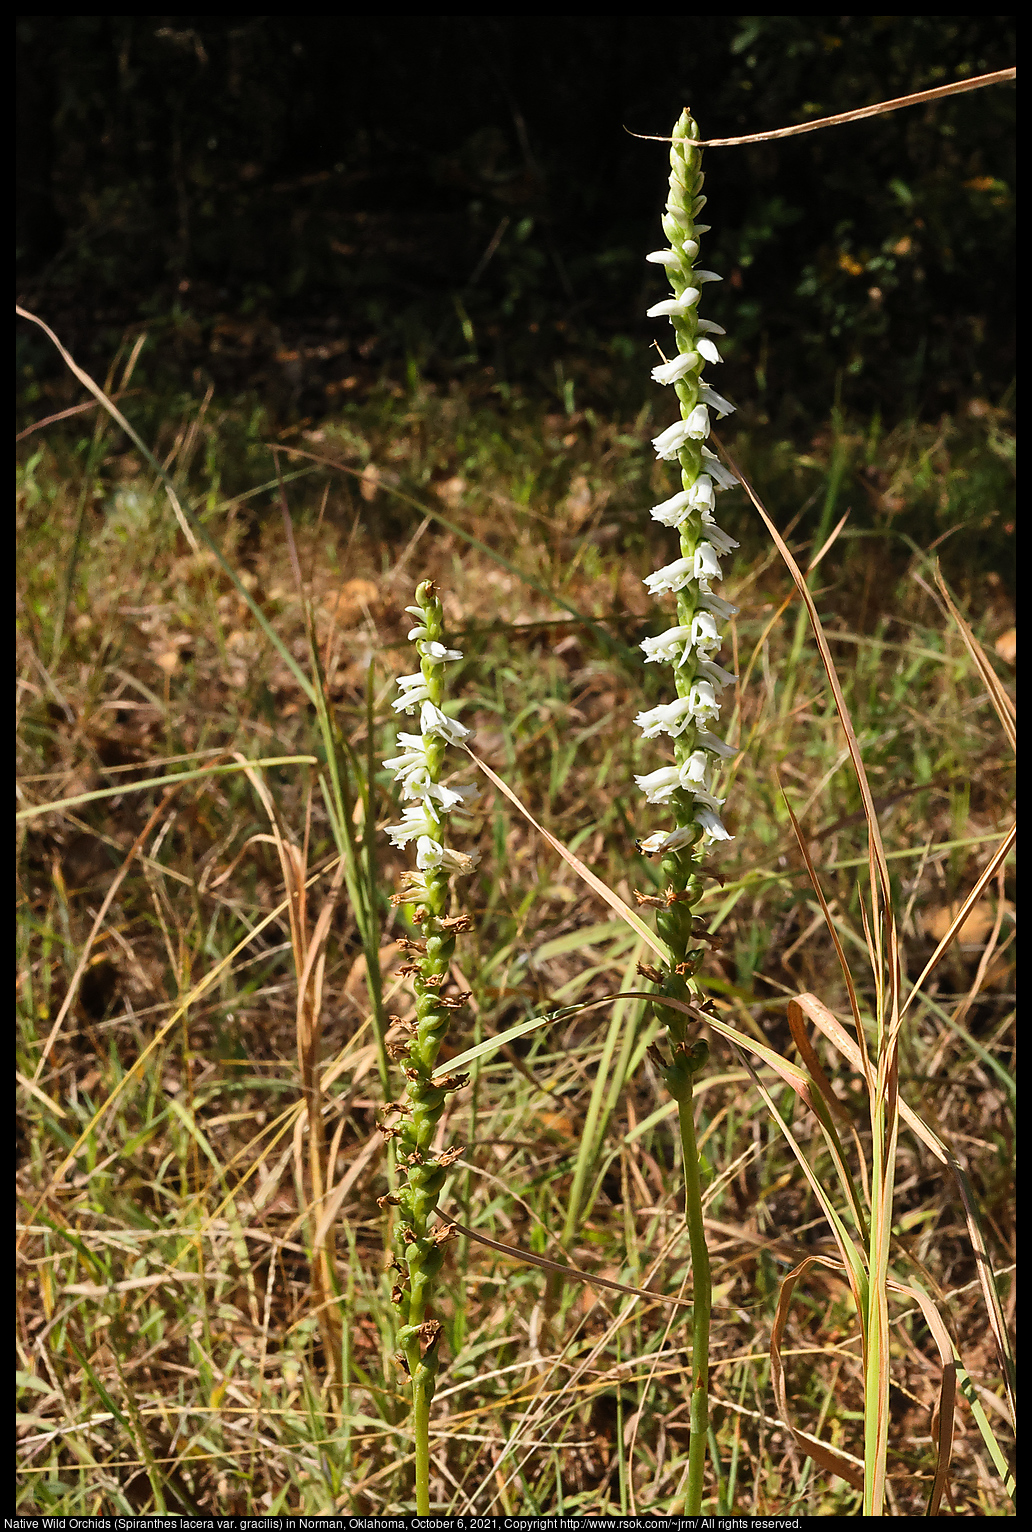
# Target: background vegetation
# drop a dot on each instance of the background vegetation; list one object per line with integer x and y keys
{"x": 293, "y": 202}
{"x": 460, "y": 391}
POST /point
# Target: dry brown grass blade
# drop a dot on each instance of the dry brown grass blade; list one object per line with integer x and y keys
{"x": 849, "y": 1468}
{"x": 815, "y": 1068}
{"x": 117, "y": 416}
{"x": 593, "y": 882}
{"x": 309, "y": 954}
{"x": 369, "y": 1151}
{"x": 881, "y": 888}
{"x": 883, "y": 948}
{"x": 530, "y": 1258}
{"x": 1005, "y": 709}
{"x": 944, "y": 1414}
{"x": 956, "y": 87}
{"x": 836, "y": 1034}
{"x": 985, "y": 877}
{"x": 840, "y": 954}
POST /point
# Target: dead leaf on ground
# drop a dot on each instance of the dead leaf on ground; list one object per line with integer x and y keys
{"x": 1006, "y": 646}
{"x": 354, "y": 599}
{"x": 973, "y": 932}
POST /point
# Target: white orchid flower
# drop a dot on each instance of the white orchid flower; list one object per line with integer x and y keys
{"x": 721, "y": 476}
{"x": 716, "y": 674}
{"x": 714, "y": 400}
{"x": 692, "y": 772}
{"x": 705, "y": 635}
{"x": 669, "y": 442}
{"x": 717, "y": 536}
{"x": 712, "y": 825}
{"x": 670, "y": 372}
{"x": 667, "y": 840}
{"x": 671, "y": 513}
{"x": 707, "y": 741}
{"x": 437, "y": 654}
{"x": 701, "y": 493}
{"x": 703, "y": 703}
{"x": 669, "y": 718}
{"x": 705, "y": 564}
{"x": 413, "y": 692}
{"x": 659, "y": 785}
{"x": 668, "y": 648}
{"x": 672, "y": 577}
{"x": 675, "y": 308}
{"x": 433, "y": 721}
{"x": 697, "y": 424}
{"x": 430, "y": 854}
{"x": 717, "y": 605}
{"x": 414, "y": 823}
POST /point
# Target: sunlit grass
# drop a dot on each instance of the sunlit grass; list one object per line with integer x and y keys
{"x": 169, "y": 1354}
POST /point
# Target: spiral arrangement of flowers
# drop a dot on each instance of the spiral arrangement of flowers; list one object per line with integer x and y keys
{"x": 690, "y": 646}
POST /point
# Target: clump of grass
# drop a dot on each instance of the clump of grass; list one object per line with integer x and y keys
{"x": 173, "y": 1345}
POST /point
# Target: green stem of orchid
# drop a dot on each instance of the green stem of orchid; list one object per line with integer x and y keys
{"x": 702, "y": 1290}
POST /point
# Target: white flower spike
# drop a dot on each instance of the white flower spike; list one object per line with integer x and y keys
{"x": 418, "y": 765}
{"x": 693, "y": 638}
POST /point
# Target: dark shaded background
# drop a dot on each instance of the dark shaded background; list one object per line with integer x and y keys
{"x": 285, "y": 200}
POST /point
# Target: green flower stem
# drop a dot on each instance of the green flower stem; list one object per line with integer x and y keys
{"x": 425, "y": 1177}
{"x": 702, "y": 1292}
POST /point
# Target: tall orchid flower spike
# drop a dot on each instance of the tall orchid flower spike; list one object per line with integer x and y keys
{"x": 688, "y": 646}
{"x": 418, "y": 1252}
